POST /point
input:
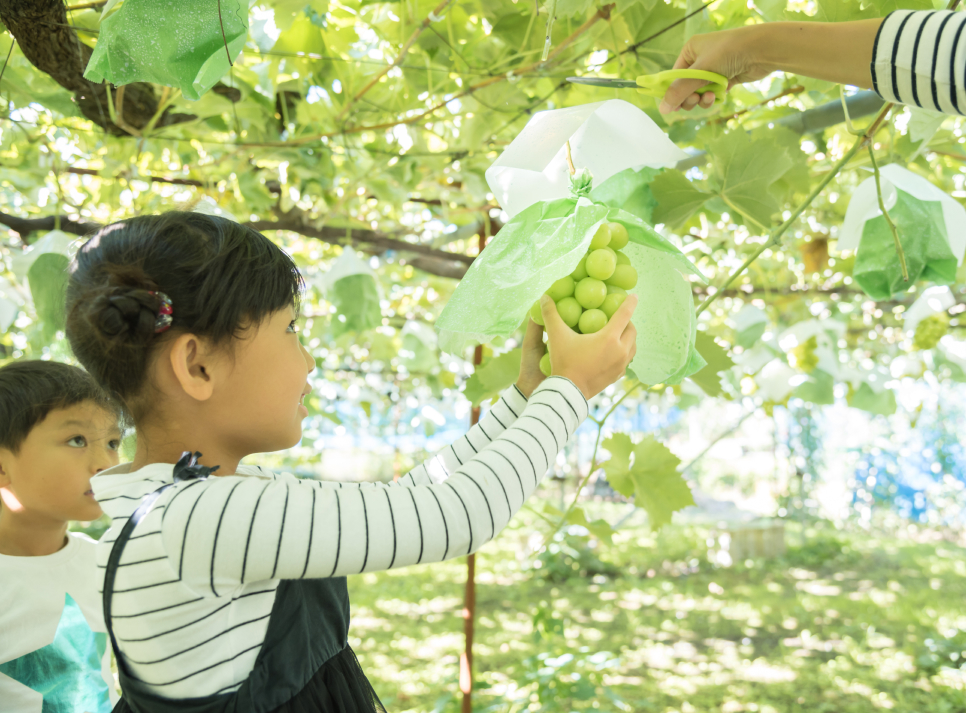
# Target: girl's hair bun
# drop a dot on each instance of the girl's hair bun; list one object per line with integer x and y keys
{"x": 126, "y": 314}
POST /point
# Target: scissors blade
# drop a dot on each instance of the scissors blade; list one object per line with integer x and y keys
{"x": 602, "y": 82}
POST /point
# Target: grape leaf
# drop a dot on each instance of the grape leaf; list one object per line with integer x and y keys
{"x": 709, "y": 378}
{"x": 568, "y": 8}
{"x": 356, "y": 300}
{"x": 838, "y": 11}
{"x": 652, "y": 479}
{"x": 629, "y": 190}
{"x": 676, "y": 197}
{"x": 747, "y": 168}
{"x": 600, "y": 529}
{"x": 47, "y": 278}
{"x": 866, "y": 398}
{"x": 491, "y": 378}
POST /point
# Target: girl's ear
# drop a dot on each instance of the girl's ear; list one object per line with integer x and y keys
{"x": 193, "y": 365}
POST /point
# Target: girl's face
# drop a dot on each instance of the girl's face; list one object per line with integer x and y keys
{"x": 260, "y": 402}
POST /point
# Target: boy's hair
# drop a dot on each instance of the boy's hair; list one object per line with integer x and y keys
{"x": 221, "y": 277}
{"x": 30, "y": 390}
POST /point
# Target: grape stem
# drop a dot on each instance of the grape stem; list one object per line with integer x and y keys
{"x": 885, "y": 214}
{"x": 570, "y": 159}
{"x": 551, "y": 16}
{"x": 775, "y": 237}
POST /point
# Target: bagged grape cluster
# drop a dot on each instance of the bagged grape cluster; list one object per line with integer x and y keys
{"x": 587, "y": 298}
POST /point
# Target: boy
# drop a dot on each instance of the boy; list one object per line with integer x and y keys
{"x": 57, "y": 429}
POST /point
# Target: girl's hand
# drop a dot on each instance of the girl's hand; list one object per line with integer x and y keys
{"x": 733, "y": 53}
{"x": 530, "y": 375}
{"x": 591, "y": 361}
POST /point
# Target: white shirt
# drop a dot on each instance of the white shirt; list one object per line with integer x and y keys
{"x": 196, "y": 583}
{"x": 54, "y": 653}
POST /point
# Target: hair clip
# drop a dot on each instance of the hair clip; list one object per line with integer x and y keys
{"x": 165, "y": 313}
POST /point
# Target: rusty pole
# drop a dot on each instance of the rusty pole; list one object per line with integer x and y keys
{"x": 469, "y": 599}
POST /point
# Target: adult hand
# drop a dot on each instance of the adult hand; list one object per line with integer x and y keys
{"x": 732, "y": 53}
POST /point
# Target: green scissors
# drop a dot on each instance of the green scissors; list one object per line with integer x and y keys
{"x": 656, "y": 85}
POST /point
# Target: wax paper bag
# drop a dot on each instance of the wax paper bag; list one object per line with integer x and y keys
{"x": 545, "y": 242}
{"x": 605, "y": 138}
{"x": 351, "y": 286}
{"x": 169, "y": 42}
{"x": 931, "y": 226}
{"x": 922, "y": 232}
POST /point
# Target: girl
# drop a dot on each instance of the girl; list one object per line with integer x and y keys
{"x": 224, "y": 585}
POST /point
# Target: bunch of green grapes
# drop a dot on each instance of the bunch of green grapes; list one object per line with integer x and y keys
{"x": 588, "y": 297}
{"x": 930, "y": 330}
{"x": 803, "y": 356}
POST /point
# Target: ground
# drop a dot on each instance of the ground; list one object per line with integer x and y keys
{"x": 844, "y": 622}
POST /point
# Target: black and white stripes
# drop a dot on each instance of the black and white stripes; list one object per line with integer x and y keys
{"x": 919, "y": 58}
{"x": 197, "y": 580}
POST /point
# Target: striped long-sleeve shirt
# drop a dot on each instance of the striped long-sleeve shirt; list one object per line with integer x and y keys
{"x": 197, "y": 580}
{"x": 919, "y": 58}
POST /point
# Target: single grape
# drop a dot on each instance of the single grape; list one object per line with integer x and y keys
{"x": 618, "y": 235}
{"x": 614, "y": 290}
{"x": 564, "y": 287}
{"x": 536, "y": 314}
{"x": 580, "y": 272}
{"x": 590, "y": 293}
{"x": 612, "y": 303}
{"x": 593, "y": 320}
{"x": 622, "y": 259}
{"x": 569, "y": 310}
{"x": 601, "y": 264}
{"x": 625, "y": 276}
{"x": 545, "y": 364}
{"x": 601, "y": 238}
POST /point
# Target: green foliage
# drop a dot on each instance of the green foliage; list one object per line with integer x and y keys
{"x": 356, "y": 299}
{"x": 47, "y": 278}
{"x": 709, "y": 378}
{"x": 677, "y": 198}
{"x": 748, "y": 171}
{"x": 493, "y": 376}
{"x": 647, "y": 471}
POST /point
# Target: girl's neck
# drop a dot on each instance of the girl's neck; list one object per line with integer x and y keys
{"x": 155, "y": 447}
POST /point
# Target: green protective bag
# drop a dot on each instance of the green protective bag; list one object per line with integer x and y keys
{"x": 173, "y": 43}
{"x": 545, "y": 242}
{"x": 922, "y": 232}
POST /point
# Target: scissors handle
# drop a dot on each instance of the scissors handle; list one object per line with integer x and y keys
{"x": 656, "y": 85}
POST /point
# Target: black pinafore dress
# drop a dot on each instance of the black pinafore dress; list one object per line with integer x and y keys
{"x": 305, "y": 664}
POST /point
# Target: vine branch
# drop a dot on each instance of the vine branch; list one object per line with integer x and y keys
{"x": 885, "y": 214}
{"x": 775, "y": 237}
{"x": 434, "y": 15}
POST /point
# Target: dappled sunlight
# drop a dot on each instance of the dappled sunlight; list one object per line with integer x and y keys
{"x": 776, "y": 637}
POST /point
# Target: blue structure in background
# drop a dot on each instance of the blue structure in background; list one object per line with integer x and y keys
{"x": 905, "y": 478}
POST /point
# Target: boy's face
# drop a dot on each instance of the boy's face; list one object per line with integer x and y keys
{"x": 50, "y": 476}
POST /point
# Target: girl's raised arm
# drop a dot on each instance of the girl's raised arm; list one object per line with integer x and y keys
{"x": 227, "y": 531}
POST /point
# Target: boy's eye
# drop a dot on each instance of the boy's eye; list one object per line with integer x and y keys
{"x": 77, "y": 442}
{"x": 114, "y": 445}
{"x": 292, "y": 327}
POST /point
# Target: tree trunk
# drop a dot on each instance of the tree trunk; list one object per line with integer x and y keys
{"x": 45, "y": 37}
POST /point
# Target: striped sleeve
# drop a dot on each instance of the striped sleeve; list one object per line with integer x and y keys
{"x": 228, "y": 531}
{"x": 919, "y": 58}
{"x": 443, "y": 464}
